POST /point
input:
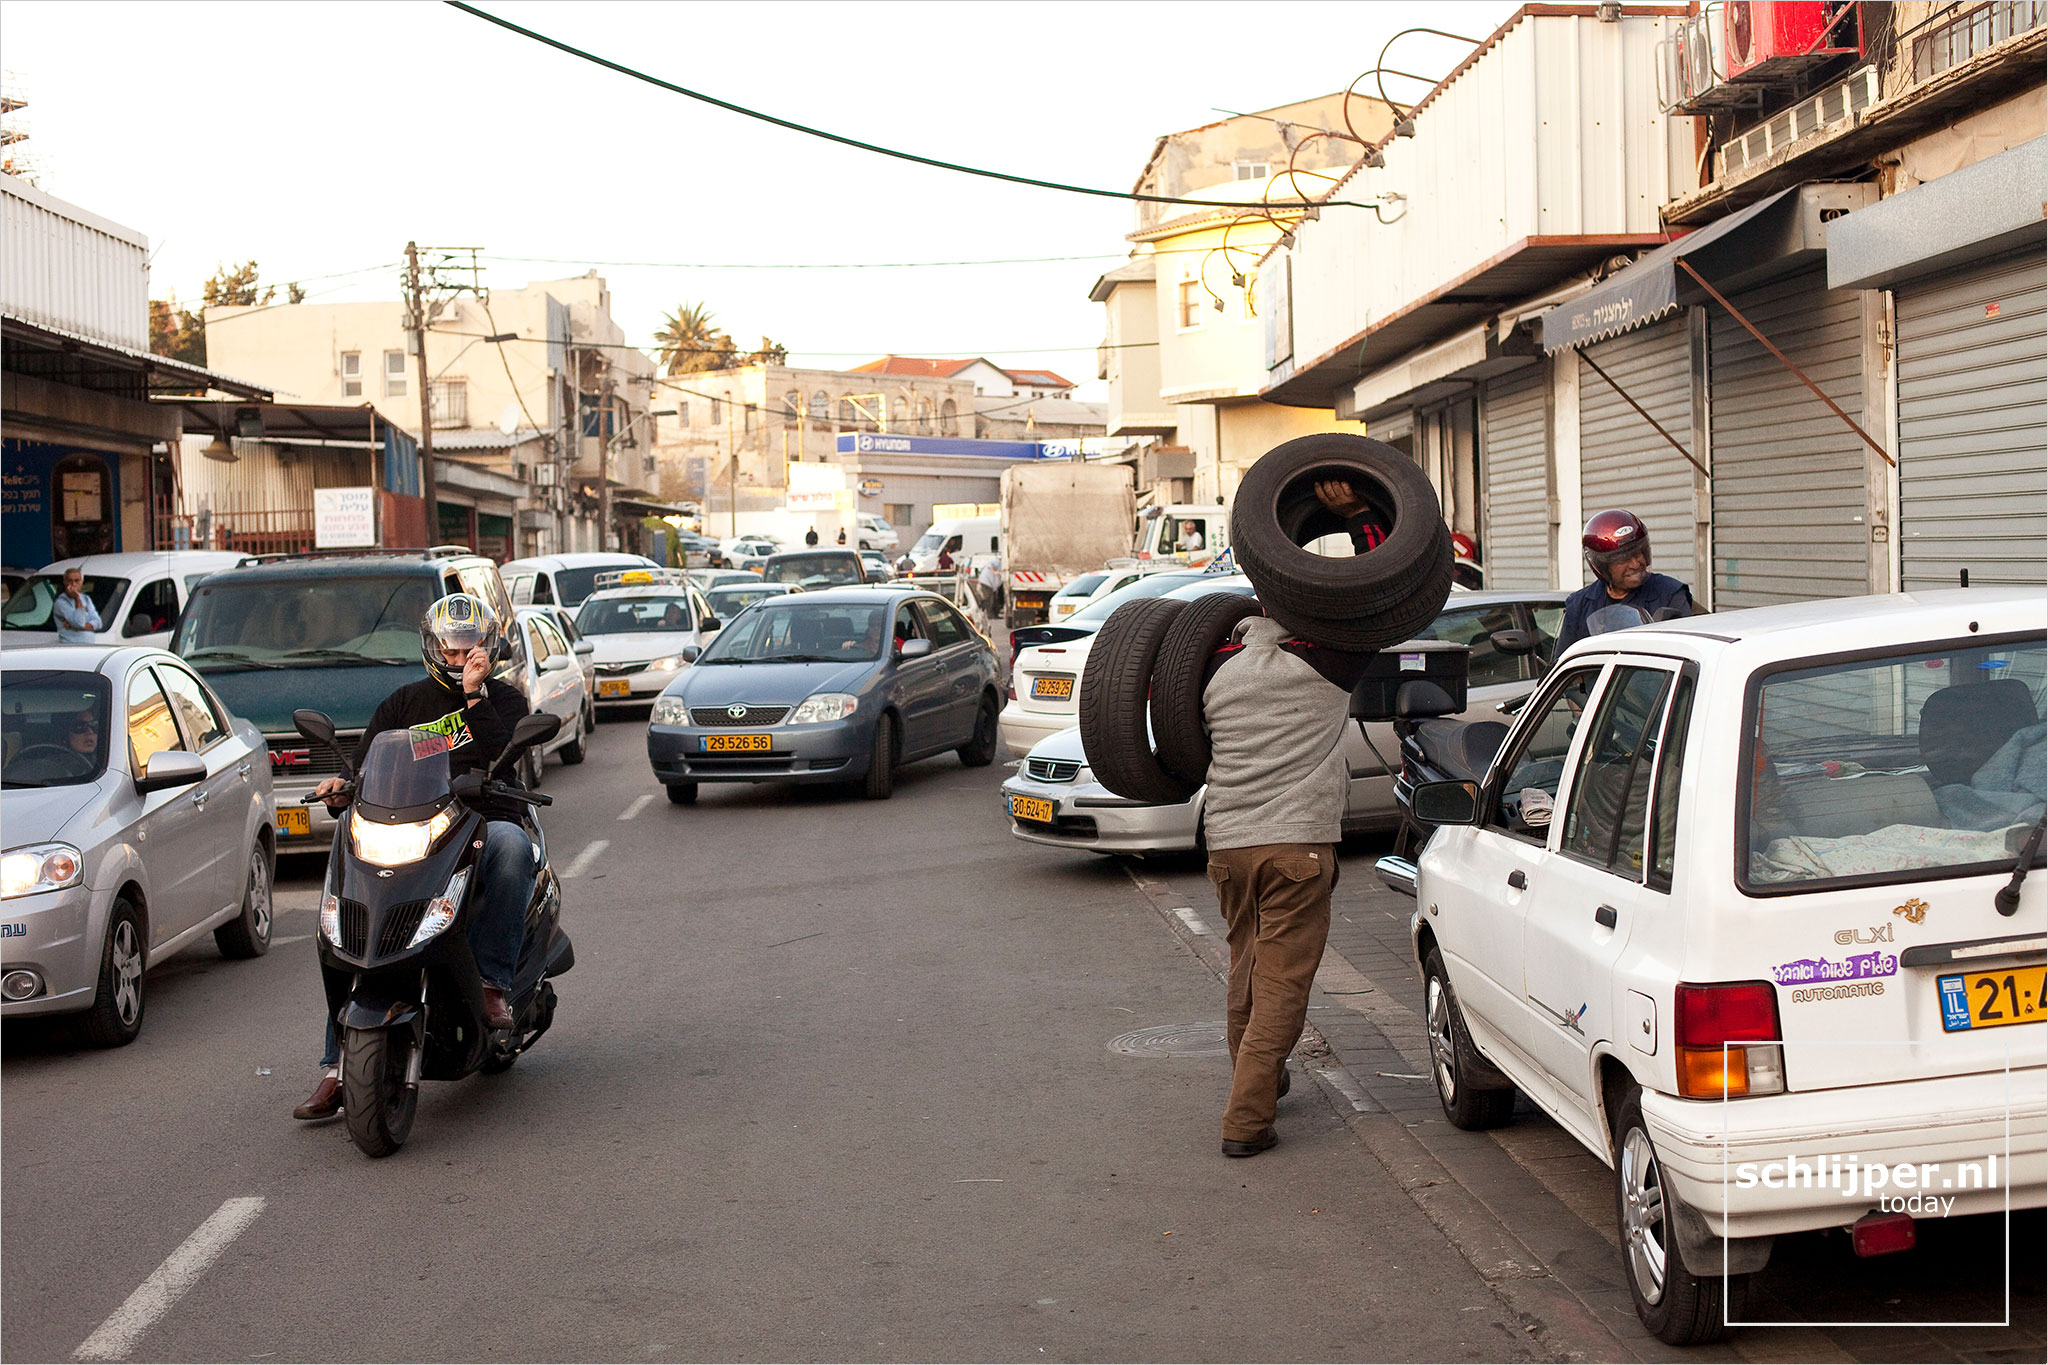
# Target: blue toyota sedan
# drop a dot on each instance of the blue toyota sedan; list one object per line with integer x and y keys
{"x": 844, "y": 685}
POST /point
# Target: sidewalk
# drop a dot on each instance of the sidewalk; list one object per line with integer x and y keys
{"x": 1533, "y": 1211}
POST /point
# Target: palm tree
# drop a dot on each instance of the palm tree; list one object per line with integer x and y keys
{"x": 689, "y": 343}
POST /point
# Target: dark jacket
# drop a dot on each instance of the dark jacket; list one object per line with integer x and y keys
{"x": 1656, "y": 594}
{"x": 486, "y": 728}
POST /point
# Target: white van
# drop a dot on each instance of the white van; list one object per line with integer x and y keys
{"x": 563, "y": 580}
{"x": 876, "y": 534}
{"x": 138, "y": 596}
{"x": 954, "y": 538}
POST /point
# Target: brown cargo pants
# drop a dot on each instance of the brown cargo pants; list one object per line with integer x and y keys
{"x": 1276, "y": 900}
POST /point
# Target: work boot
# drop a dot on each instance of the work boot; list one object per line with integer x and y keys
{"x": 1266, "y": 1138}
{"x": 324, "y": 1102}
{"x": 497, "y": 1014}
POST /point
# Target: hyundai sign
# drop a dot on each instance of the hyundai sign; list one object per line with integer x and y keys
{"x": 881, "y": 443}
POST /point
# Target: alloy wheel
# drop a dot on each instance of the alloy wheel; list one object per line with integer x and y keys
{"x": 127, "y": 973}
{"x": 1442, "y": 1049}
{"x": 259, "y": 896}
{"x": 1642, "y": 1215}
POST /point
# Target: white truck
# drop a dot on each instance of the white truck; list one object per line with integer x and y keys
{"x": 1195, "y": 532}
{"x": 1060, "y": 519}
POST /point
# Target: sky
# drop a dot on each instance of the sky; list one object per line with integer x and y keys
{"x": 318, "y": 138}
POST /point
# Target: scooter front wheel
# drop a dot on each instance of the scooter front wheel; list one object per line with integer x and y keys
{"x": 375, "y": 1099}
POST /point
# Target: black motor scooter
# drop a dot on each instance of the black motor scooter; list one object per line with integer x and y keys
{"x": 402, "y": 888}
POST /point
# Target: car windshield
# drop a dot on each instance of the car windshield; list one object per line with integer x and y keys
{"x": 30, "y": 606}
{"x": 1881, "y": 770}
{"x": 638, "y": 615}
{"x": 1155, "y": 585}
{"x": 1203, "y": 587}
{"x": 259, "y": 621}
{"x": 407, "y": 769}
{"x": 830, "y": 570}
{"x": 730, "y": 602}
{"x": 928, "y": 543}
{"x": 1082, "y": 586}
{"x": 573, "y": 585}
{"x": 53, "y": 729}
{"x": 792, "y": 630}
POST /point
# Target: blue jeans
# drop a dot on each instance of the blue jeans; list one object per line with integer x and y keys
{"x": 498, "y": 924}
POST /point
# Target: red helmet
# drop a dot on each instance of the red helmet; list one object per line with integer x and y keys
{"x": 1613, "y": 537}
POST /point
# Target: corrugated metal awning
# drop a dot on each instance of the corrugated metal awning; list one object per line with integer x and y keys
{"x": 1968, "y": 215}
{"x": 79, "y": 356}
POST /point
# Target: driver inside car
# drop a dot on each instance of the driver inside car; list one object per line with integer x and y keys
{"x": 461, "y": 702}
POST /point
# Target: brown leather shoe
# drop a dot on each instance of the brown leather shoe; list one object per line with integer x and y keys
{"x": 1266, "y": 1138}
{"x": 324, "y": 1102}
{"x": 497, "y": 1014}
{"x": 1286, "y": 1083}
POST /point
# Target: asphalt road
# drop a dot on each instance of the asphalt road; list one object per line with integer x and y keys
{"x": 831, "y": 1080}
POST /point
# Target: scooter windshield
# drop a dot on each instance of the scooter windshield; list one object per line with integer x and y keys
{"x": 404, "y": 770}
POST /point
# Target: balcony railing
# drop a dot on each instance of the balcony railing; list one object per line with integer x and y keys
{"x": 1956, "y": 40}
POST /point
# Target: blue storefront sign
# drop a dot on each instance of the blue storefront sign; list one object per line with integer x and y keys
{"x": 879, "y": 443}
{"x": 58, "y": 501}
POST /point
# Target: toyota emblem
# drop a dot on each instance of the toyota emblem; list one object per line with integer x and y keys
{"x": 737, "y": 711}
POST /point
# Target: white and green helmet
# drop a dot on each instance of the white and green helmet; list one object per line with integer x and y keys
{"x": 458, "y": 621}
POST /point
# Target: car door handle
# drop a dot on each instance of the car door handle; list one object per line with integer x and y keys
{"x": 1605, "y": 917}
{"x": 243, "y": 772}
{"x": 1517, "y": 879}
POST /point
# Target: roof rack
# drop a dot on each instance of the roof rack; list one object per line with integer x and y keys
{"x": 641, "y": 578}
{"x": 363, "y": 552}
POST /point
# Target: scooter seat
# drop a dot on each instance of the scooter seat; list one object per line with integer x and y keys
{"x": 1460, "y": 749}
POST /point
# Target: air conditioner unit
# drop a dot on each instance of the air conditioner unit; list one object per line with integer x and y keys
{"x": 1770, "y": 41}
{"x": 1693, "y": 69}
{"x": 544, "y": 476}
{"x": 1819, "y": 113}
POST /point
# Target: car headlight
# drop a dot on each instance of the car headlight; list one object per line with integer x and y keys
{"x": 441, "y": 910}
{"x": 669, "y": 711}
{"x": 668, "y": 664}
{"x": 823, "y": 707}
{"x": 396, "y": 845}
{"x": 39, "y": 867}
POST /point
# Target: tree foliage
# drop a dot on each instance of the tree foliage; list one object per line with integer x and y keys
{"x": 180, "y": 333}
{"x": 236, "y": 288}
{"x": 176, "y": 332}
{"x": 689, "y": 342}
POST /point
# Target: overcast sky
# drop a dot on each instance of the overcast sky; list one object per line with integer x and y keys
{"x": 318, "y": 138}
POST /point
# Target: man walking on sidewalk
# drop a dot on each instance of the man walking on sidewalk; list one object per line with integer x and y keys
{"x": 1276, "y": 709}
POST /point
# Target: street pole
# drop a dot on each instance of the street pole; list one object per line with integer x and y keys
{"x": 429, "y": 488}
{"x": 604, "y": 463}
{"x": 732, "y": 473}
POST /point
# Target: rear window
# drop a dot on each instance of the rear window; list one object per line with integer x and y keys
{"x": 815, "y": 571}
{"x": 1085, "y": 584}
{"x": 1153, "y": 585}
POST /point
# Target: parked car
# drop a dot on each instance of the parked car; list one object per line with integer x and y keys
{"x": 554, "y": 684}
{"x": 584, "y": 650}
{"x": 876, "y": 533}
{"x": 1751, "y": 890}
{"x": 137, "y": 817}
{"x": 336, "y": 632}
{"x": 814, "y": 569}
{"x": 138, "y": 596}
{"x": 563, "y": 580}
{"x": 696, "y": 550}
{"x": 731, "y": 599}
{"x": 1054, "y": 799}
{"x": 647, "y": 625}
{"x": 1087, "y": 587}
{"x": 877, "y": 565}
{"x": 740, "y": 552}
{"x": 844, "y": 685}
{"x": 707, "y": 579}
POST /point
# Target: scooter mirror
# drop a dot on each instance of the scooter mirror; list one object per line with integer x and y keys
{"x": 1514, "y": 641}
{"x": 466, "y": 786}
{"x": 315, "y": 725}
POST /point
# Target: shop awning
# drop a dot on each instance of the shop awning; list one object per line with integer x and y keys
{"x": 1967, "y": 215}
{"x": 282, "y": 422}
{"x": 83, "y": 362}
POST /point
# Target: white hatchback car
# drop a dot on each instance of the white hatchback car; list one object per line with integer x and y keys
{"x": 647, "y": 625}
{"x": 1740, "y": 903}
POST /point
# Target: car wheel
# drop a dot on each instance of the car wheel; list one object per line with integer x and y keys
{"x": 1679, "y": 1307}
{"x": 1367, "y": 601}
{"x": 1472, "y": 1093}
{"x": 880, "y": 782}
{"x": 1178, "y": 677}
{"x": 115, "y": 1016}
{"x": 577, "y": 749}
{"x": 375, "y": 1099}
{"x": 980, "y": 751}
{"x": 682, "y": 793}
{"x": 531, "y": 767}
{"x": 248, "y": 934}
{"x": 1114, "y": 686}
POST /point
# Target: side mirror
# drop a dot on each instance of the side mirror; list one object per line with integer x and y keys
{"x": 710, "y": 623}
{"x": 1446, "y": 803}
{"x": 585, "y": 647}
{"x": 914, "y": 649}
{"x": 170, "y": 768}
{"x": 877, "y": 576}
{"x": 141, "y": 623}
{"x": 554, "y": 662}
{"x": 691, "y": 653}
{"x": 1514, "y": 641}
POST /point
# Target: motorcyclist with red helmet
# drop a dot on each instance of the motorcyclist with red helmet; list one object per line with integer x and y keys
{"x": 1617, "y": 550}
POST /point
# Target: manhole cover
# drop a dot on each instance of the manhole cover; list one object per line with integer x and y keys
{"x": 1173, "y": 1040}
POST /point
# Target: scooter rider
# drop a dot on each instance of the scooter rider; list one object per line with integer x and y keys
{"x": 1617, "y": 550}
{"x": 460, "y": 702}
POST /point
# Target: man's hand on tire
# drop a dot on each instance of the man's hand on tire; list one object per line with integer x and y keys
{"x": 1340, "y": 497}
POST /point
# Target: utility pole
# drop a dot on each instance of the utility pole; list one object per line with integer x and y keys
{"x": 416, "y": 310}
{"x": 604, "y": 460}
{"x": 732, "y": 474}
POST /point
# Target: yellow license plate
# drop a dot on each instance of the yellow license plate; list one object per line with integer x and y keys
{"x": 1052, "y": 689}
{"x": 736, "y": 744}
{"x": 294, "y": 820}
{"x": 615, "y": 687}
{"x": 1992, "y": 999}
{"x": 1034, "y": 808}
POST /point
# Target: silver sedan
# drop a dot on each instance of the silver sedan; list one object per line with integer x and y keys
{"x": 137, "y": 818}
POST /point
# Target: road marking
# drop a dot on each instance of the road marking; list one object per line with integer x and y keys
{"x": 1342, "y": 1082}
{"x": 289, "y": 938}
{"x": 586, "y": 858}
{"x": 116, "y": 1337}
{"x": 1186, "y": 915}
{"x": 639, "y": 804}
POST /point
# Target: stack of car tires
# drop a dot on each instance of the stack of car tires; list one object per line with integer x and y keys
{"x": 1141, "y": 693}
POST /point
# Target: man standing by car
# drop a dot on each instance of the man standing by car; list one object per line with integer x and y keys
{"x": 1617, "y": 550}
{"x": 75, "y": 615}
{"x": 1276, "y": 708}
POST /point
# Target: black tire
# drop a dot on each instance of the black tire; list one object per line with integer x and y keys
{"x": 1178, "y": 675}
{"x": 980, "y": 749}
{"x": 683, "y": 793}
{"x": 1679, "y": 1307}
{"x": 1473, "y": 1094}
{"x": 375, "y": 1099}
{"x": 248, "y": 933}
{"x": 115, "y": 1016}
{"x": 531, "y": 766}
{"x": 1375, "y": 599}
{"x": 880, "y": 783}
{"x": 578, "y": 749}
{"x": 1115, "y": 685}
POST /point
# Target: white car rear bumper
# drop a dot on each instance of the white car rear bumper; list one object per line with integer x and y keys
{"x": 1022, "y": 730}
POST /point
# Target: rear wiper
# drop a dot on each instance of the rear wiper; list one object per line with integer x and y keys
{"x": 229, "y": 656}
{"x": 2008, "y": 898}
{"x": 340, "y": 654}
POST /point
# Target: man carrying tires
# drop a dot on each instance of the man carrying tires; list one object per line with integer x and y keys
{"x": 1275, "y": 708}
{"x": 1617, "y": 549}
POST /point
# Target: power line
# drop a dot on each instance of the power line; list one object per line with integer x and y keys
{"x": 805, "y": 265}
{"x": 841, "y": 138}
{"x": 720, "y": 350}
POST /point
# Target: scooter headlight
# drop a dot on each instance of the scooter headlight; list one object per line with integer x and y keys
{"x": 396, "y": 845}
{"x": 330, "y": 918}
{"x": 441, "y": 910}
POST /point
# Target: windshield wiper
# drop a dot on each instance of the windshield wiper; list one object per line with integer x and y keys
{"x": 340, "y": 654}
{"x": 229, "y": 656}
{"x": 799, "y": 659}
{"x": 2008, "y": 898}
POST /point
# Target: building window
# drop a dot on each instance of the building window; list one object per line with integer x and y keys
{"x": 394, "y": 374}
{"x": 924, "y": 416}
{"x": 949, "y": 418}
{"x": 900, "y": 513}
{"x": 1190, "y": 304}
{"x": 1253, "y": 170}
{"x": 717, "y": 412}
{"x": 682, "y": 414}
{"x": 450, "y": 402}
{"x": 792, "y": 408}
{"x": 351, "y": 374}
{"x": 821, "y": 407}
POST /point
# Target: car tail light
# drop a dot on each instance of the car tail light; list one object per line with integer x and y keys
{"x": 1881, "y": 1234}
{"x": 1728, "y": 1041}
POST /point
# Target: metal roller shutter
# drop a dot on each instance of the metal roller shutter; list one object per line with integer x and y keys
{"x": 1516, "y": 448}
{"x": 1623, "y": 462}
{"x": 1973, "y": 404}
{"x": 1790, "y": 489}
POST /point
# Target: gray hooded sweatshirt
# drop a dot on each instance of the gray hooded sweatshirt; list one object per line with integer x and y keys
{"x": 1277, "y": 775}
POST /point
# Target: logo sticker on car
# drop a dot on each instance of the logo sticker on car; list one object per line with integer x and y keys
{"x": 13, "y": 931}
{"x": 1914, "y": 910}
{"x": 1876, "y": 933}
{"x": 1854, "y": 968}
